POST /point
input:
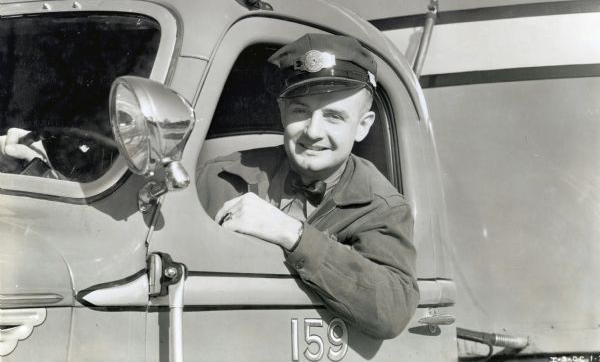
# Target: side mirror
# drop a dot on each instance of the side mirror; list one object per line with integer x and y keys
{"x": 151, "y": 124}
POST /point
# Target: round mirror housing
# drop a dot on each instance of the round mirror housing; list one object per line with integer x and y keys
{"x": 151, "y": 123}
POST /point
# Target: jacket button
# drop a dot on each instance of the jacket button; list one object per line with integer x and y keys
{"x": 300, "y": 264}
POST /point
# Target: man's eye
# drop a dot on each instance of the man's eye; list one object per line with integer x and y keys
{"x": 299, "y": 111}
{"x": 334, "y": 116}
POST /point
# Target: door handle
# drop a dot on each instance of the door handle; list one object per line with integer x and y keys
{"x": 433, "y": 320}
{"x": 438, "y": 319}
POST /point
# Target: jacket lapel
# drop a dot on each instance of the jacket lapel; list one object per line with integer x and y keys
{"x": 353, "y": 188}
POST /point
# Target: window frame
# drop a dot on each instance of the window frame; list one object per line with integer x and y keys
{"x": 72, "y": 191}
{"x": 381, "y": 101}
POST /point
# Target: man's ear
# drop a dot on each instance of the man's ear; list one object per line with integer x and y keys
{"x": 364, "y": 125}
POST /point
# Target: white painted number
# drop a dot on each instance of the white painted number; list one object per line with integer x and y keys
{"x": 338, "y": 338}
{"x": 294, "y": 339}
{"x": 337, "y": 334}
{"x": 313, "y": 338}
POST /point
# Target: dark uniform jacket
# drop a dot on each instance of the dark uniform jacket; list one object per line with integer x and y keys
{"x": 355, "y": 252}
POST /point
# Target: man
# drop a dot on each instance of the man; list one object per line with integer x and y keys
{"x": 345, "y": 229}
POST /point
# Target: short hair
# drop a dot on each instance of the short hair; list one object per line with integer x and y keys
{"x": 368, "y": 101}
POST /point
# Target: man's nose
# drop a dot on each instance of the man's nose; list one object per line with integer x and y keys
{"x": 314, "y": 126}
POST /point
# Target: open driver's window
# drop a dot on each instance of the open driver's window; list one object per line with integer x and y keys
{"x": 248, "y": 106}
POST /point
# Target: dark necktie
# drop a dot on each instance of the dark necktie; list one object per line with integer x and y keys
{"x": 314, "y": 192}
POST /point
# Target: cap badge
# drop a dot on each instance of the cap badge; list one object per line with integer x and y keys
{"x": 313, "y": 61}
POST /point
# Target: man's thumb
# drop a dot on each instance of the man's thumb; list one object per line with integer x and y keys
{"x": 21, "y": 152}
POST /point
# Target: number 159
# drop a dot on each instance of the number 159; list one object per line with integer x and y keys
{"x": 337, "y": 334}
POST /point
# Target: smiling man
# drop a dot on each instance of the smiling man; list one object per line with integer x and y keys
{"x": 345, "y": 229}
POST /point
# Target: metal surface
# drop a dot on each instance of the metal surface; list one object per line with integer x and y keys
{"x": 28, "y": 299}
{"x": 524, "y": 211}
{"x": 168, "y": 48}
{"x": 105, "y": 240}
{"x": 377, "y": 9}
{"x": 266, "y": 335}
{"x": 176, "y": 295}
{"x": 151, "y": 123}
{"x": 506, "y": 43}
{"x": 16, "y": 325}
{"x": 119, "y": 293}
{"x": 430, "y": 18}
{"x": 437, "y": 292}
{"x": 431, "y": 317}
{"x": 149, "y": 195}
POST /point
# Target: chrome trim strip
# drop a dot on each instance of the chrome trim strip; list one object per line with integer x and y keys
{"x": 245, "y": 291}
{"x": 28, "y": 299}
{"x": 437, "y": 293}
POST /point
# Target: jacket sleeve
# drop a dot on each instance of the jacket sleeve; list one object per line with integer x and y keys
{"x": 367, "y": 280}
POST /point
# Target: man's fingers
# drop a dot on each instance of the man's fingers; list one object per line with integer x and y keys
{"x": 225, "y": 208}
{"x": 21, "y": 152}
{"x": 14, "y": 135}
{"x": 38, "y": 147}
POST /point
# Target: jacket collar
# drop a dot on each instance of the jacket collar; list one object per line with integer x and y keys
{"x": 354, "y": 187}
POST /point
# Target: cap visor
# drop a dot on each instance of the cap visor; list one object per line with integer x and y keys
{"x": 320, "y": 86}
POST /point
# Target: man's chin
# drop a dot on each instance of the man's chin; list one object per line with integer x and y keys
{"x": 308, "y": 166}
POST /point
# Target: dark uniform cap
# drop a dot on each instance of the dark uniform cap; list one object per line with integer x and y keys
{"x": 323, "y": 63}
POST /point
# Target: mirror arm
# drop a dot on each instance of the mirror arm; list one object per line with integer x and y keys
{"x": 176, "y": 178}
{"x": 149, "y": 194}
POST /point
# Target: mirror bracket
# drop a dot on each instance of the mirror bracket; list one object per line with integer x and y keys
{"x": 149, "y": 194}
{"x": 176, "y": 178}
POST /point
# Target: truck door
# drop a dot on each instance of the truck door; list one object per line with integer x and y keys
{"x": 241, "y": 302}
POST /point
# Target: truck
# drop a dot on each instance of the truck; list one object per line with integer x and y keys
{"x": 486, "y": 123}
{"x": 112, "y": 257}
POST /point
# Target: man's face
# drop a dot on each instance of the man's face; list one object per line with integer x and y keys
{"x": 320, "y": 130}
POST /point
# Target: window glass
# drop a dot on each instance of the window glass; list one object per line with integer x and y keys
{"x": 55, "y": 76}
{"x": 248, "y": 106}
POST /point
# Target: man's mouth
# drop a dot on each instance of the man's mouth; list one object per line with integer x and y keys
{"x": 312, "y": 147}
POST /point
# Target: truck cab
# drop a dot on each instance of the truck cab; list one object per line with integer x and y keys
{"x": 113, "y": 258}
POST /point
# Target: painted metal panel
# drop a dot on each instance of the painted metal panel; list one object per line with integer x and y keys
{"x": 522, "y": 183}
{"x": 279, "y": 290}
{"x": 189, "y": 236}
{"x": 50, "y": 339}
{"x": 506, "y": 43}
{"x": 266, "y": 335}
{"x": 107, "y": 336}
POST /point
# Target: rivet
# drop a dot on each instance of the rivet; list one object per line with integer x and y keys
{"x": 76, "y": 5}
{"x": 46, "y": 6}
{"x": 170, "y": 272}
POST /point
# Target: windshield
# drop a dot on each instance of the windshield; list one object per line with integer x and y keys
{"x": 55, "y": 76}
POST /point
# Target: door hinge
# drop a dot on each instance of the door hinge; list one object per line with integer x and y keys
{"x": 167, "y": 277}
{"x": 163, "y": 272}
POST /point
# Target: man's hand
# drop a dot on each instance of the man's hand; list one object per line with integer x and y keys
{"x": 251, "y": 215}
{"x": 12, "y": 152}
